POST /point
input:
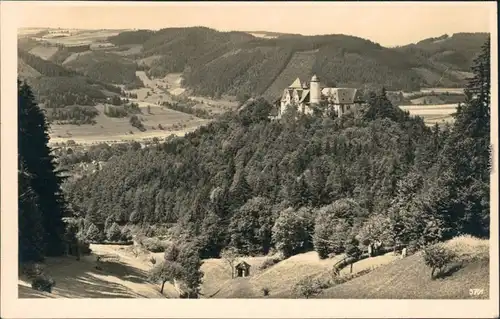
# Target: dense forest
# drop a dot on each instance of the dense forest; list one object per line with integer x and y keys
{"x": 244, "y": 180}
{"x": 106, "y": 67}
{"x": 458, "y": 49}
{"x": 216, "y": 63}
{"x": 67, "y": 95}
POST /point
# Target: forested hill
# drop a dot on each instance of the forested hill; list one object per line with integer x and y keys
{"x": 56, "y": 87}
{"x": 216, "y": 63}
{"x": 459, "y": 50}
{"x": 251, "y": 183}
{"x": 229, "y": 182}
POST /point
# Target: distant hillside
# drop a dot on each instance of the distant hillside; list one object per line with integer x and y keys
{"x": 106, "y": 67}
{"x": 44, "y": 67}
{"x": 216, "y": 63}
{"x": 458, "y": 50}
{"x": 68, "y": 91}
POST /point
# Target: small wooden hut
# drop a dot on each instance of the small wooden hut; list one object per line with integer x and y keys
{"x": 242, "y": 269}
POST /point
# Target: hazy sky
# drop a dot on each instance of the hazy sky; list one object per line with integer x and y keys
{"x": 386, "y": 23}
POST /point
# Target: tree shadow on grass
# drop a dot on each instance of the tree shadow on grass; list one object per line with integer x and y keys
{"x": 81, "y": 279}
{"x": 449, "y": 271}
{"x": 89, "y": 286}
{"x": 123, "y": 271}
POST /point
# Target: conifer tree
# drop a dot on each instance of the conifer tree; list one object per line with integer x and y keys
{"x": 466, "y": 156}
{"x": 31, "y": 231}
{"x": 34, "y": 150}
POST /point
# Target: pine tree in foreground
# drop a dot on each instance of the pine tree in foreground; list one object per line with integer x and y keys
{"x": 466, "y": 157}
{"x": 45, "y": 183}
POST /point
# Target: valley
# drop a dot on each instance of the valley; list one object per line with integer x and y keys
{"x": 117, "y": 51}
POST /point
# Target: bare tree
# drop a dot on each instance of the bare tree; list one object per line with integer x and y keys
{"x": 230, "y": 255}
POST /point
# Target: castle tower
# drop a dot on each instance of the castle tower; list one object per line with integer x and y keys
{"x": 315, "y": 90}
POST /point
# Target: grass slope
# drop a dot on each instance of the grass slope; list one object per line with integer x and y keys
{"x": 300, "y": 65}
{"x": 409, "y": 278}
{"x": 432, "y": 113}
{"x": 124, "y": 277}
{"x": 118, "y": 129}
{"x": 280, "y": 278}
{"x": 391, "y": 278}
{"x": 25, "y": 71}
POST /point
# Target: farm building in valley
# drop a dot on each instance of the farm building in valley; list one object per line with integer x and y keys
{"x": 305, "y": 97}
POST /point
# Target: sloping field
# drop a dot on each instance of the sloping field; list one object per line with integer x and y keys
{"x": 430, "y": 99}
{"x": 432, "y": 113}
{"x": 300, "y": 65}
{"x": 430, "y": 77}
{"x": 123, "y": 277}
{"x": 445, "y": 90}
{"x": 280, "y": 278}
{"x": 111, "y": 129}
{"x": 409, "y": 278}
{"x": 44, "y": 52}
{"x": 131, "y": 49}
{"x": 82, "y": 37}
{"x": 74, "y": 56}
{"x": 217, "y": 282}
{"x": 149, "y": 60}
{"x": 25, "y": 71}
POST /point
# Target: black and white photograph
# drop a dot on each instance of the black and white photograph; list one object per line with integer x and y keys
{"x": 294, "y": 152}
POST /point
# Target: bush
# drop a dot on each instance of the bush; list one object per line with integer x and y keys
{"x": 152, "y": 260}
{"x": 308, "y": 287}
{"x": 126, "y": 234}
{"x": 94, "y": 234}
{"x": 438, "y": 257}
{"x": 265, "y": 291}
{"x": 337, "y": 280}
{"x": 270, "y": 261}
{"x": 114, "y": 233}
{"x": 31, "y": 270}
{"x": 154, "y": 245}
{"x": 43, "y": 283}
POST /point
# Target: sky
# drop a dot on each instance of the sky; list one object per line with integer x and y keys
{"x": 389, "y": 24}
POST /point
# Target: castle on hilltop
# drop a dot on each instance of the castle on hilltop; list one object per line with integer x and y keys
{"x": 305, "y": 97}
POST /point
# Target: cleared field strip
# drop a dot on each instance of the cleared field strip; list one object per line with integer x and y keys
{"x": 44, "y": 52}
{"x": 300, "y": 65}
{"x": 118, "y": 129}
{"x": 432, "y": 113}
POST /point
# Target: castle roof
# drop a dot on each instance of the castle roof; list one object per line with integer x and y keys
{"x": 340, "y": 95}
{"x": 336, "y": 95}
{"x": 314, "y": 78}
{"x": 296, "y": 84}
